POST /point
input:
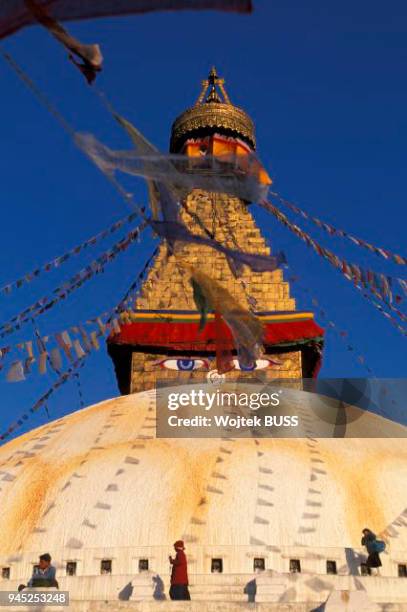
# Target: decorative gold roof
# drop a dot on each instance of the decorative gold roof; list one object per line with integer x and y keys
{"x": 213, "y": 111}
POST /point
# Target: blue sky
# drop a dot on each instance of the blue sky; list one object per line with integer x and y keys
{"x": 325, "y": 84}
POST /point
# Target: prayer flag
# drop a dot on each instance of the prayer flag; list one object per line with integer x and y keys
{"x": 94, "y": 340}
{"x": 56, "y": 359}
{"x": 42, "y": 363}
{"x": 78, "y": 349}
{"x": 16, "y": 372}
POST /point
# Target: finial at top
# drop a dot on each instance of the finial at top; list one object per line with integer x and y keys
{"x": 212, "y": 113}
{"x": 215, "y": 84}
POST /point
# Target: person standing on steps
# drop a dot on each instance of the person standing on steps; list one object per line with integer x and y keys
{"x": 179, "y": 574}
{"x": 373, "y": 547}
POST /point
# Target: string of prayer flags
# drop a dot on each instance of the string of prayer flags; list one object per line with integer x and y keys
{"x": 128, "y": 298}
{"x": 79, "y": 387}
{"x": 62, "y": 292}
{"x": 380, "y": 284}
{"x": 384, "y": 312}
{"x": 77, "y": 342}
{"x": 134, "y": 287}
{"x": 351, "y": 272}
{"x": 58, "y": 261}
{"x": 334, "y": 231}
{"x": 342, "y": 334}
{"x": 65, "y": 345}
{"x": 19, "y": 369}
{"x": 63, "y": 378}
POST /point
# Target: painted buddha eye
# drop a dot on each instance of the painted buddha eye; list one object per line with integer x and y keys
{"x": 184, "y": 365}
{"x": 243, "y": 368}
{"x": 261, "y": 364}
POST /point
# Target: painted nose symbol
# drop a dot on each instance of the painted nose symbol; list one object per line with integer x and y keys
{"x": 215, "y": 378}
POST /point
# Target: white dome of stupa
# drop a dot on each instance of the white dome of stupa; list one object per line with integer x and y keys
{"x": 99, "y": 478}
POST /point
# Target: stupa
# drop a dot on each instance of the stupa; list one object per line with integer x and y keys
{"x": 277, "y": 521}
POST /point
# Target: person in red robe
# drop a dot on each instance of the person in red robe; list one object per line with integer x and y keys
{"x": 179, "y": 574}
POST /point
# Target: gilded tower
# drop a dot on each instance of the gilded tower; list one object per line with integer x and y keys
{"x": 161, "y": 335}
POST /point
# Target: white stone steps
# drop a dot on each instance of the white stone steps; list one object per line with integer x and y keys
{"x": 226, "y": 588}
{"x": 215, "y": 579}
{"x": 219, "y": 597}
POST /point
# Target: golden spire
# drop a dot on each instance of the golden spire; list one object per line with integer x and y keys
{"x": 214, "y": 82}
{"x": 212, "y": 113}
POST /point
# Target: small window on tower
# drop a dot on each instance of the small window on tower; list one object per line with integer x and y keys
{"x": 217, "y": 566}
{"x": 71, "y": 568}
{"x": 5, "y": 573}
{"x": 402, "y": 570}
{"x": 295, "y": 566}
{"x": 331, "y": 567}
{"x": 259, "y": 564}
{"x": 106, "y": 566}
{"x": 143, "y": 565}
